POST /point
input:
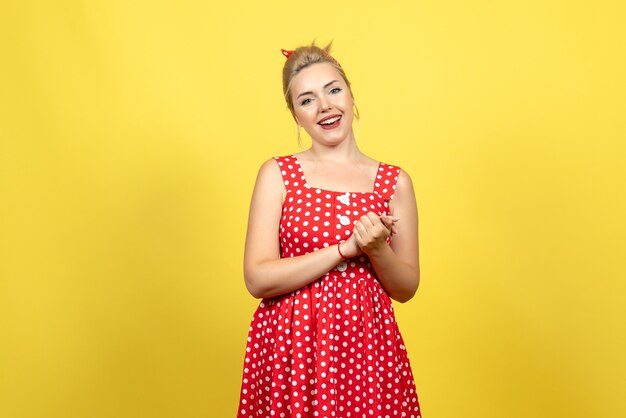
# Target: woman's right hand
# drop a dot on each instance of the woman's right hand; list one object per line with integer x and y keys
{"x": 349, "y": 248}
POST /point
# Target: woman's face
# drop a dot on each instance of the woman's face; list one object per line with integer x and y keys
{"x": 317, "y": 92}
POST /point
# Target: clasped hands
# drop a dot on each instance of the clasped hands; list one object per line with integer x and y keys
{"x": 369, "y": 234}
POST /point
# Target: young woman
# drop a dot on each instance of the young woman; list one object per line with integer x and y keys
{"x": 319, "y": 252}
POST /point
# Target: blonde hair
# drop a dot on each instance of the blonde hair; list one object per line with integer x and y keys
{"x": 303, "y": 57}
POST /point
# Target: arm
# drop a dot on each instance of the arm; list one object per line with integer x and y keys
{"x": 397, "y": 266}
{"x": 266, "y": 274}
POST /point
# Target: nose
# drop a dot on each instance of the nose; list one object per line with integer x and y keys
{"x": 324, "y": 104}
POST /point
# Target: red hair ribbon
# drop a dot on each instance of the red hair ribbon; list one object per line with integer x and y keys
{"x": 286, "y": 53}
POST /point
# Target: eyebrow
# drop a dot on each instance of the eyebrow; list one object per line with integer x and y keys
{"x": 310, "y": 92}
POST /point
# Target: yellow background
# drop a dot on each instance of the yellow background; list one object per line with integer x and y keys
{"x": 131, "y": 133}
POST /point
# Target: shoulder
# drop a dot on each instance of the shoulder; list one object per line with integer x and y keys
{"x": 271, "y": 169}
{"x": 394, "y": 171}
{"x": 278, "y": 161}
{"x": 270, "y": 179}
{"x": 404, "y": 179}
{"x": 389, "y": 169}
{"x": 282, "y": 162}
{"x": 404, "y": 187}
{"x": 403, "y": 194}
{"x": 398, "y": 177}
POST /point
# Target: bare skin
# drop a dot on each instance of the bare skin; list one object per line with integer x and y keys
{"x": 334, "y": 162}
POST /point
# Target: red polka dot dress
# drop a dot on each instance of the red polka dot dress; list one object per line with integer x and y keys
{"x": 331, "y": 348}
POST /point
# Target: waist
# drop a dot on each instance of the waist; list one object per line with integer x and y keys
{"x": 360, "y": 265}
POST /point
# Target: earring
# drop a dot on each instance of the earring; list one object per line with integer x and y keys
{"x": 358, "y": 118}
{"x": 299, "y": 139}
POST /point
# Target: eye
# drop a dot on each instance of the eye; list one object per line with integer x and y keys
{"x": 304, "y": 102}
{"x": 336, "y": 88}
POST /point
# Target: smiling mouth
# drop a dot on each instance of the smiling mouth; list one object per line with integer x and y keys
{"x": 330, "y": 121}
{"x": 334, "y": 123}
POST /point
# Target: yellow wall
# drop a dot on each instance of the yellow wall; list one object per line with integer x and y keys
{"x": 130, "y": 137}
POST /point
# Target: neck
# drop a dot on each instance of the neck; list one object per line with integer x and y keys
{"x": 346, "y": 151}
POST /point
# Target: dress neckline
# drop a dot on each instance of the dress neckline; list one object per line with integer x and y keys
{"x": 306, "y": 184}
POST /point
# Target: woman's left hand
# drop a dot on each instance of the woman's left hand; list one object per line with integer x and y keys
{"x": 371, "y": 231}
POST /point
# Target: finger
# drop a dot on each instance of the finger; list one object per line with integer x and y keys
{"x": 366, "y": 221}
{"x": 361, "y": 228}
{"x": 387, "y": 221}
{"x": 389, "y": 227}
{"x": 363, "y": 233}
{"x": 374, "y": 218}
{"x": 357, "y": 237}
{"x": 379, "y": 222}
{"x": 389, "y": 218}
{"x": 378, "y": 231}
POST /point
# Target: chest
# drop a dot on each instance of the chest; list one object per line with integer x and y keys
{"x": 314, "y": 218}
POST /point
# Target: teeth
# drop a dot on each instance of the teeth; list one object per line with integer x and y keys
{"x": 330, "y": 121}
